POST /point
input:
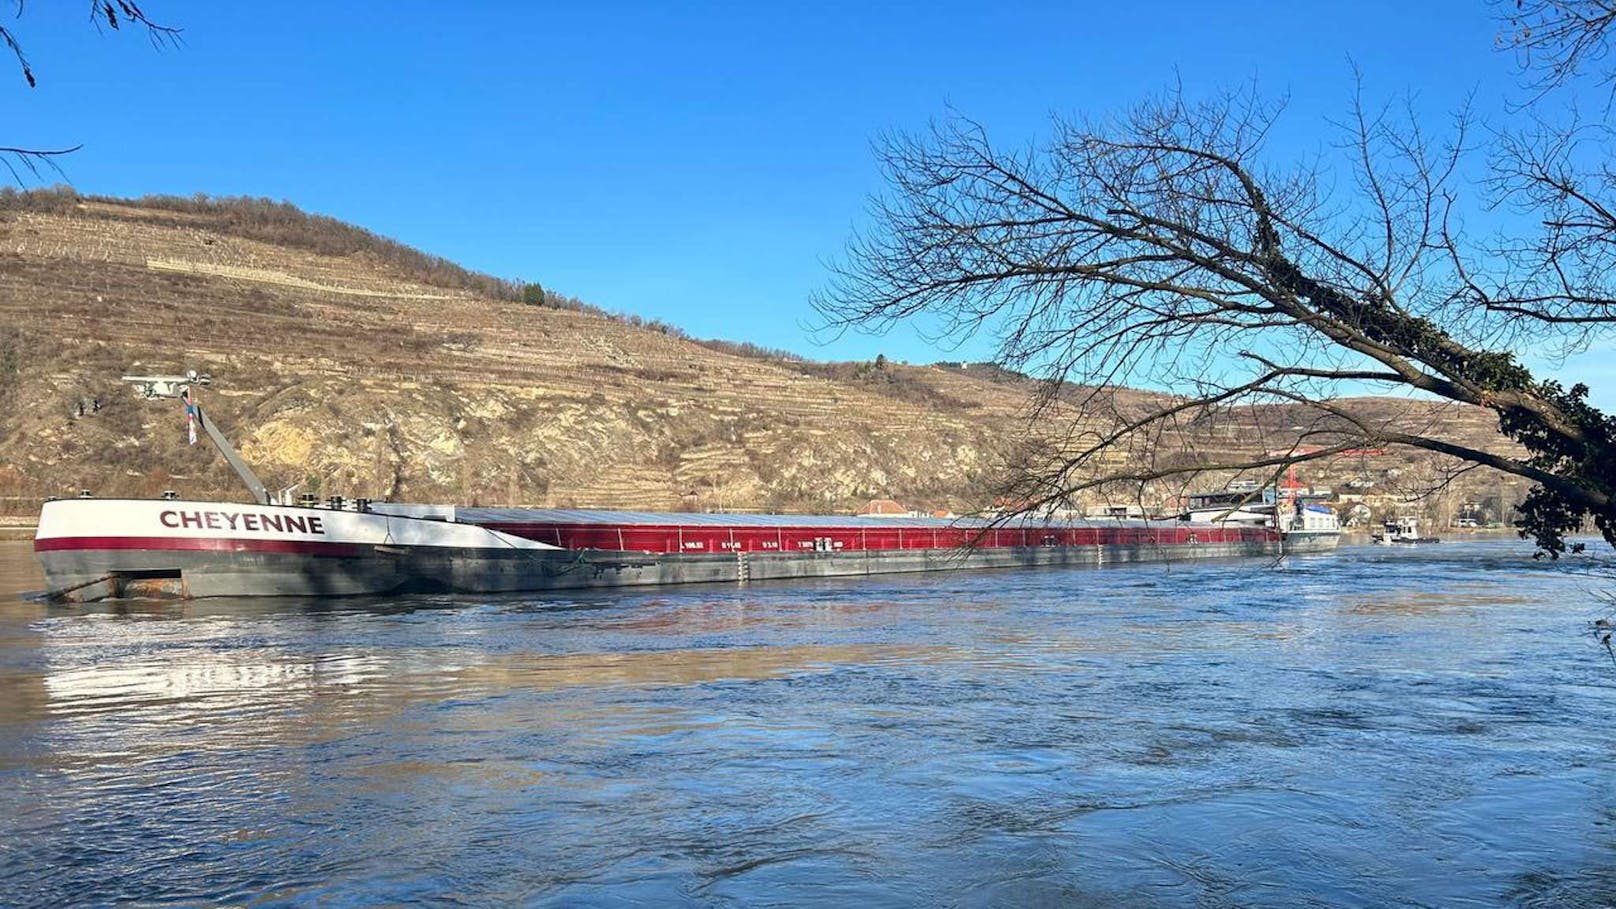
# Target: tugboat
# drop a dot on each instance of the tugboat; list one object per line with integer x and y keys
{"x": 1404, "y": 530}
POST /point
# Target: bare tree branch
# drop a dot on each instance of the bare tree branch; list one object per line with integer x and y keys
{"x": 1557, "y": 40}
{"x": 1159, "y": 248}
{"x": 21, "y": 162}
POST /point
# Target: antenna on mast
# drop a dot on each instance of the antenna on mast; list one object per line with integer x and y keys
{"x": 152, "y": 388}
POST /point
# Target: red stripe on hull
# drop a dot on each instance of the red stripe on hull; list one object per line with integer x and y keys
{"x": 705, "y": 538}
{"x": 201, "y": 544}
{"x": 696, "y": 540}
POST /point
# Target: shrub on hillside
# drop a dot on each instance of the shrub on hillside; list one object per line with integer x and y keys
{"x": 749, "y": 350}
{"x": 901, "y": 382}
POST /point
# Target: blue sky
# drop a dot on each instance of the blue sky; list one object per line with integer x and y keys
{"x": 696, "y": 162}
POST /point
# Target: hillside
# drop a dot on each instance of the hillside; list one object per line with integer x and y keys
{"x": 356, "y": 366}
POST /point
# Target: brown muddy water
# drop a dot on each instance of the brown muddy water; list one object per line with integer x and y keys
{"x": 1428, "y": 727}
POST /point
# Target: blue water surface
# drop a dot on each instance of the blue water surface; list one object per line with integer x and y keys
{"x": 1424, "y": 726}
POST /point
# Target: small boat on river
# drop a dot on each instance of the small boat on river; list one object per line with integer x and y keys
{"x": 1402, "y": 530}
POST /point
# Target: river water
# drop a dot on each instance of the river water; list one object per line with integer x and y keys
{"x": 1425, "y": 726}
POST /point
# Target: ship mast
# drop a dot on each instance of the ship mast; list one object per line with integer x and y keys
{"x": 154, "y": 387}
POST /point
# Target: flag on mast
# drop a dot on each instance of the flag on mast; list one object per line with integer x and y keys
{"x": 190, "y": 413}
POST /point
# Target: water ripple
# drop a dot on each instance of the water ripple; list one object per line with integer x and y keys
{"x": 1413, "y": 727}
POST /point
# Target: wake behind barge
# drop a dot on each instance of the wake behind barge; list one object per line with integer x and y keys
{"x": 94, "y": 549}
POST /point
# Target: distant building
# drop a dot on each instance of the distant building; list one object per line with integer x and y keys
{"x": 1359, "y": 515}
{"x": 883, "y": 507}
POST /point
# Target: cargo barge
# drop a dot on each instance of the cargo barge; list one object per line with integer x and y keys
{"x": 94, "y": 549}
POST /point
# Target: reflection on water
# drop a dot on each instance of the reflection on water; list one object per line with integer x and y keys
{"x": 19, "y": 572}
{"x": 1384, "y": 726}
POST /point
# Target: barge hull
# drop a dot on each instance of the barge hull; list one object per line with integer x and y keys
{"x": 1311, "y": 543}
{"x": 99, "y": 549}
{"x": 87, "y": 574}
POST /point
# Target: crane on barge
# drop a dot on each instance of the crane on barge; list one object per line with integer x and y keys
{"x": 152, "y": 388}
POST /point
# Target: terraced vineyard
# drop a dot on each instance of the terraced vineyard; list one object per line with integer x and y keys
{"x": 362, "y": 374}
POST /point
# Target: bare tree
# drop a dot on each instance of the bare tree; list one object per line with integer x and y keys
{"x": 1162, "y": 248}
{"x": 114, "y": 14}
{"x": 1557, "y": 40}
{"x": 1554, "y": 170}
